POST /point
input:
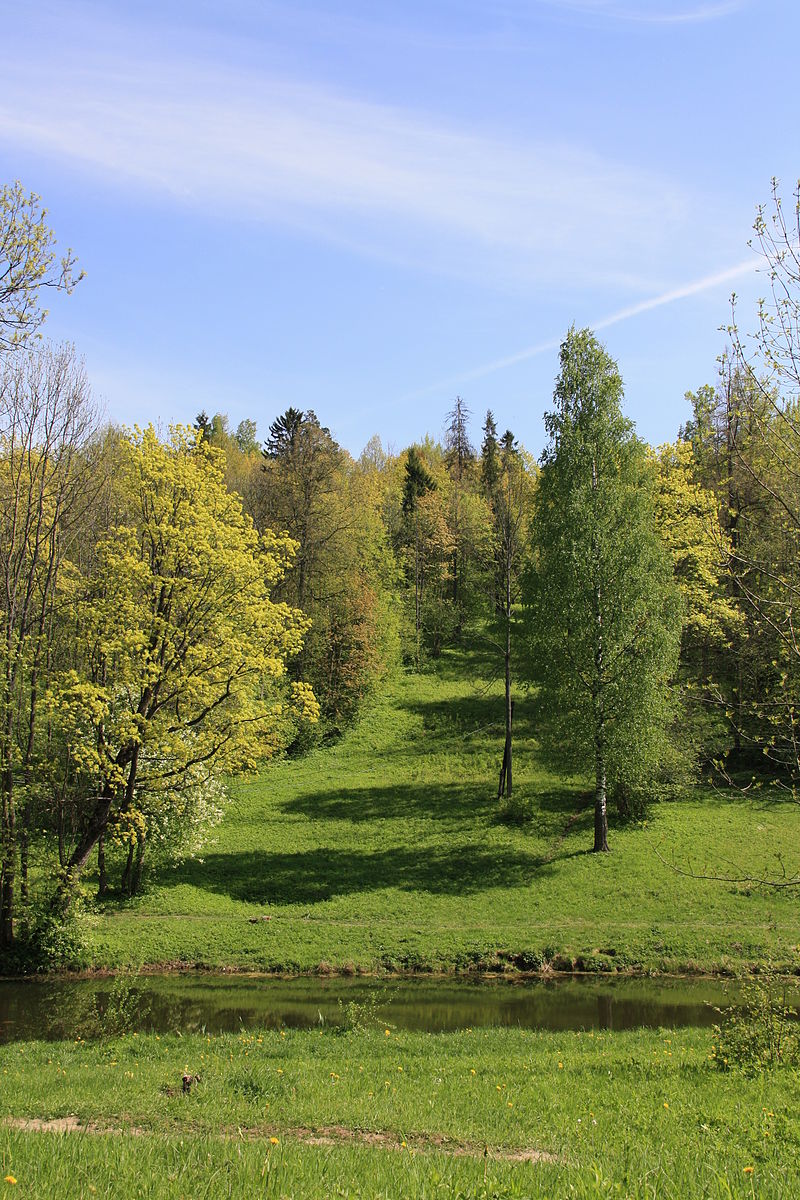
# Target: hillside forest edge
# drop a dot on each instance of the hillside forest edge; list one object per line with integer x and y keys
{"x": 177, "y": 608}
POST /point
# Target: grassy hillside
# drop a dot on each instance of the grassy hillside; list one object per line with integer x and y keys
{"x": 384, "y": 851}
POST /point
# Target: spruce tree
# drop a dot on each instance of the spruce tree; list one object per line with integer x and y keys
{"x": 490, "y": 465}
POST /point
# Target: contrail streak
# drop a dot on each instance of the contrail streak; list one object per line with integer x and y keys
{"x": 622, "y": 314}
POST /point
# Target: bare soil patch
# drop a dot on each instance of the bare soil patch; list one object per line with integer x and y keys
{"x": 325, "y": 1135}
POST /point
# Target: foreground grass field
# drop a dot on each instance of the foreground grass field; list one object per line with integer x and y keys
{"x": 379, "y": 1113}
{"x": 383, "y": 851}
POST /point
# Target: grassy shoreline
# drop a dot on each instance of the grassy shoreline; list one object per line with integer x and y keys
{"x": 789, "y": 971}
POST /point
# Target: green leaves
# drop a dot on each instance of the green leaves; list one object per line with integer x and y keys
{"x": 28, "y": 263}
{"x": 603, "y": 613}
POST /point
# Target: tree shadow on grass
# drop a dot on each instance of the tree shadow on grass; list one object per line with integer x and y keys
{"x": 472, "y": 718}
{"x": 311, "y": 876}
{"x": 560, "y": 812}
{"x": 464, "y": 803}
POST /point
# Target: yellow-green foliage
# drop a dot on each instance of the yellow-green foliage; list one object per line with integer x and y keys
{"x": 27, "y": 263}
{"x": 688, "y": 518}
{"x": 181, "y": 651}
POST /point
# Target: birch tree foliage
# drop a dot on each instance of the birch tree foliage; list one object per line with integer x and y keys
{"x": 603, "y": 612}
{"x": 181, "y": 651}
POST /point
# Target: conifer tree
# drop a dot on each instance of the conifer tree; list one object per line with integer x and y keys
{"x": 490, "y": 466}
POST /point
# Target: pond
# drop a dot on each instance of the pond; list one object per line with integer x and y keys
{"x": 68, "y": 1008}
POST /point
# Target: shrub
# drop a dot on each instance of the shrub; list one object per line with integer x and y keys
{"x": 761, "y": 1033}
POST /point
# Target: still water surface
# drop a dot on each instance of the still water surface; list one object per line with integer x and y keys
{"x": 67, "y": 1008}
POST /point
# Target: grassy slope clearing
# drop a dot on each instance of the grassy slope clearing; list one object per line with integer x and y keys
{"x": 383, "y": 852}
{"x": 381, "y": 1114}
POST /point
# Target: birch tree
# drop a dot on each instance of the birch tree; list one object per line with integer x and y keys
{"x": 603, "y": 610}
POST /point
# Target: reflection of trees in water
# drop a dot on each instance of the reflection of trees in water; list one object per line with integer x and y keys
{"x": 605, "y": 1011}
{"x": 96, "y": 1008}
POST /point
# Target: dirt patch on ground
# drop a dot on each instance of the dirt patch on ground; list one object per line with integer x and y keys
{"x": 325, "y": 1135}
{"x": 66, "y": 1125}
{"x": 331, "y": 1135}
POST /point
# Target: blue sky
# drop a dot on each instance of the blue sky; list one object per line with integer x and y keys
{"x": 367, "y": 208}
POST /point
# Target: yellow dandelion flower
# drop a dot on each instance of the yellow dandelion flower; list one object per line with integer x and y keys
{"x": 273, "y": 1141}
{"x": 9, "y": 1179}
{"x": 748, "y": 1170}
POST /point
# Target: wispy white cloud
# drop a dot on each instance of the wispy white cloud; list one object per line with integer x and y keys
{"x": 655, "y": 12}
{"x": 386, "y": 180}
{"x": 706, "y": 283}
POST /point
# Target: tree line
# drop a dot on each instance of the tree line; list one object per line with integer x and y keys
{"x": 175, "y": 609}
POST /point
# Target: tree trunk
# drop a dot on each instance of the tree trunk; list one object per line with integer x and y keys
{"x": 136, "y": 882}
{"x": 509, "y": 701}
{"x": 24, "y": 895}
{"x": 93, "y": 831}
{"x": 62, "y": 849}
{"x": 417, "y": 592}
{"x": 9, "y": 864}
{"x": 102, "y": 881}
{"x": 600, "y": 798}
{"x": 600, "y": 812}
{"x": 127, "y": 874}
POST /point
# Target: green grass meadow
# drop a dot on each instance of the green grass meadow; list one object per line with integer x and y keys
{"x": 482, "y": 1113}
{"x": 383, "y": 851}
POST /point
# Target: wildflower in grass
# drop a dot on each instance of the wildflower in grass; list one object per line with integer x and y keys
{"x": 273, "y": 1141}
{"x": 387, "y": 1032}
{"x": 748, "y": 1170}
{"x": 10, "y": 1179}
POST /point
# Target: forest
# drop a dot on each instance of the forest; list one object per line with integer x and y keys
{"x": 179, "y": 606}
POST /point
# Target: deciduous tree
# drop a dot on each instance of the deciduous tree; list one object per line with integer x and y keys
{"x": 46, "y": 420}
{"x": 28, "y": 263}
{"x": 183, "y": 649}
{"x": 604, "y": 614}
